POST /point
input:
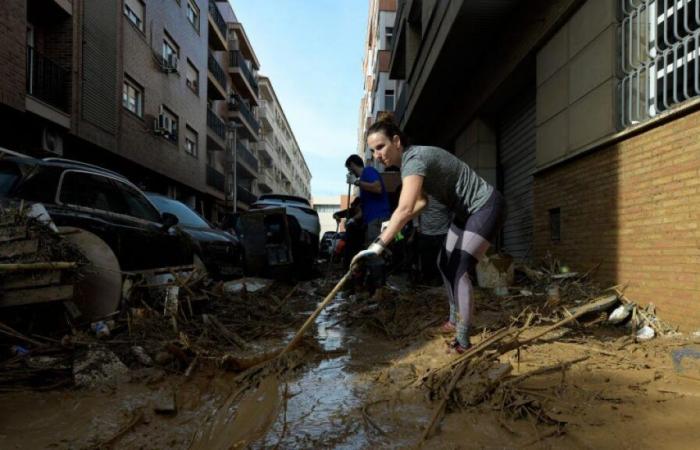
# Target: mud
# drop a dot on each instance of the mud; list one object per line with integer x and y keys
{"x": 356, "y": 384}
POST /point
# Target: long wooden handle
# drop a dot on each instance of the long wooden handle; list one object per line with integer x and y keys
{"x": 315, "y": 314}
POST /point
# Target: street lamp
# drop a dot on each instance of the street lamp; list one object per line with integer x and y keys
{"x": 231, "y": 175}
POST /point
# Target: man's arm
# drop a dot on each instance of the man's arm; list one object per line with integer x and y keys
{"x": 371, "y": 186}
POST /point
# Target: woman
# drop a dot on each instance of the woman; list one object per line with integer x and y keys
{"x": 478, "y": 210}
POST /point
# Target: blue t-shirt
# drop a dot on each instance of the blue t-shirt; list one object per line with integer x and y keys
{"x": 374, "y": 206}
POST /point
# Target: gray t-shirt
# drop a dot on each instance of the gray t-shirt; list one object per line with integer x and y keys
{"x": 435, "y": 218}
{"x": 447, "y": 178}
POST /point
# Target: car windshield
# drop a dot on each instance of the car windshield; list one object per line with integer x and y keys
{"x": 185, "y": 215}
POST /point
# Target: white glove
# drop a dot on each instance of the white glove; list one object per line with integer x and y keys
{"x": 350, "y": 178}
{"x": 375, "y": 249}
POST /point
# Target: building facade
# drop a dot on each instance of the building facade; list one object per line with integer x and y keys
{"x": 585, "y": 115}
{"x": 379, "y": 89}
{"x": 164, "y": 92}
{"x": 286, "y": 170}
{"x": 325, "y": 207}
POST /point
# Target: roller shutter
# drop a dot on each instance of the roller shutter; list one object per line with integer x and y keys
{"x": 516, "y": 146}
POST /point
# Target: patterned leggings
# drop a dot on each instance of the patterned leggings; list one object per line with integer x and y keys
{"x": 466, "y": 243}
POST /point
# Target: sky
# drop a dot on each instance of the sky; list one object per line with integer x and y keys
{"x": 312, "y": 52}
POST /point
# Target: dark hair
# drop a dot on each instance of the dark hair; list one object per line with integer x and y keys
{"x": 385, "y": 124}
{"x": 354, "y": 159}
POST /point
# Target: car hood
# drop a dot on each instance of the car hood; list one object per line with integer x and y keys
{"x": 209, "y": 235}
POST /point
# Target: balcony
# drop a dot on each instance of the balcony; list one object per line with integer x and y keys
{"x": 245, "y": 196}
{"x": 240, "y": 112}
{"x": 216, "y": 79}
{"x": 216, "y": 179}
{"x": 242, "y": 76}
{"x": 216, "y": 131}
{"x": 47, "y": 81}
{"x": 217, "y": 28}
{"x": 265, "y": 149}
{"x": 265, "y": 182}
{"x": 246, "y": 159}
{"x": 266, "y": 115}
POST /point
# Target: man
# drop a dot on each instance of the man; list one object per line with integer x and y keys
{"x": 374, "y": 202}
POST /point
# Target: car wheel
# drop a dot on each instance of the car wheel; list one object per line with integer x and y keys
{"x": 98, "y": 292}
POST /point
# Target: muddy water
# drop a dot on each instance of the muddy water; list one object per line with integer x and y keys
{"x": 352, "y": 398}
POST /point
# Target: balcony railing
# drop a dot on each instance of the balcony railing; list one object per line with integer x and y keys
{"x": 216, "y": 179}
{"x": 245, "y": 195}
{"x": 216, "y": 70}
{"x": 237, "y": 60}
{"x": 238, "y": 105}
{"x": 247, "y": 157}
{"x": 216, "y": 124}
{"x": 46, "y": 80}
{"x": 218, "y": 18}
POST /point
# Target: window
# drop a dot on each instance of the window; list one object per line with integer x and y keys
{"x": 555, "y": 224}
{"x": 192, "y": 77}
{"x": 171, "y": 52}
{"x": 105, "y": 194}
{"x": 132, "y": 96}
{"x": 169, "y": 124}
{"x": 191, "y": 144}
{"x": 193, "y": 14}
{"x": 389, "y": 100}
{"x": 659, "y": 50}
{"x": 134, "y": 11}
{"x": 388, "y": 37}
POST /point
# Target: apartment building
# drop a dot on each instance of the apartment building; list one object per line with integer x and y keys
{"x": 379, "y": 89}
{"x": 585, "y": 114}
{"x": 285, "y": 169}
{"x": 164, "y": 92}
{"x": 326, "y": 207}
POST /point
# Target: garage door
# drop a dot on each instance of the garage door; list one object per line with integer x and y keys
{"x": 516, "y": 146}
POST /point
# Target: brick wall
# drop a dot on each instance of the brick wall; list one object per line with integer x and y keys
{"x": 634, "y": 208}
{"x": 13, "y": 36}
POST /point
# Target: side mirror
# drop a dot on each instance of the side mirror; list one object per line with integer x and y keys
{"x": 169, "y": 220}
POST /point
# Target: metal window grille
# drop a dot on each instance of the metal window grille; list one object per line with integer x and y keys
{"x": 660, "y": 43}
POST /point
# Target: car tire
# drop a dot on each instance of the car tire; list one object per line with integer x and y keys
{"x": 98, "y": 292}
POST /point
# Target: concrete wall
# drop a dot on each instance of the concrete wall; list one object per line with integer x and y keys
{"x": 478, "y": 147}
{"x": 633, "y": 208}
{"x": 576, "y": 83}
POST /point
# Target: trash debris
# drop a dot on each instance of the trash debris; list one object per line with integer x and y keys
{"x": 100, "y": 328}
{"x": 246, "y": 285}
{"x": 98, "y": 367}
{"x": 620, "y": 313}
{"x": 166, "y": 403}
{"x": 646, "y": 333}
{"x": 685, "y": 353}
{"x": 141, "y": 355}
{"x": 495, "y": 271}
{"x": 18, "y": 350}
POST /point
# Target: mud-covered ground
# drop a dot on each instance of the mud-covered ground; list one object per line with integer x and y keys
{"x": 357, "y": 382}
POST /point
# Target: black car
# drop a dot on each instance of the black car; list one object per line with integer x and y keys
{"x": 101, "y": 202}
{"x": 218, "y": 250}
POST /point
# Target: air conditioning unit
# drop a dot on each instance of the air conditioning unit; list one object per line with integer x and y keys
{"x": 172, "y": 62}
{"x": 162, "y": 125}
{"x": 51, "y": 141}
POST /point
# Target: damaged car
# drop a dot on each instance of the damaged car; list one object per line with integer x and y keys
{"x": 216, "y": 251}
{"x": 280, "y": 235}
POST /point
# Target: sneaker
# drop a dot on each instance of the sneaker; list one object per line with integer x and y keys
{"x": 447, "y": 328}
{"x": 456, "y": 347}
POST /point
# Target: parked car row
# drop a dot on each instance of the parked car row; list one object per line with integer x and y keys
{"x": 142, "y": 231}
